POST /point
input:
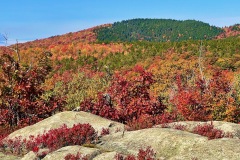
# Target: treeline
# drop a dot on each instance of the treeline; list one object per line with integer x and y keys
{"x": 223, "y": 53}
{"x": 236, "y": 27}
{"x": 157, "y": 30}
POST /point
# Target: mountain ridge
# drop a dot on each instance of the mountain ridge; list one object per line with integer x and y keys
{"x": 92, "y": 34}
{"x": 158, "y": 30}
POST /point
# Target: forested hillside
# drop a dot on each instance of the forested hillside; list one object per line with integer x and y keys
{"x": 230, "y": 31}
{"x": 157, "y": 30}
{"x": 183, "y": 74}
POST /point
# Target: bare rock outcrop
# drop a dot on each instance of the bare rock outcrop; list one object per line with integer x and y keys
{"x": 106, "y": 156}
{"x": 61, "y": 153}
{"x": 8, "y": 157}
{"x": 30, "y": 156}
{"x": 69, "y": 118}
{"x": 172, "y": 144}
{"x": 227, "y": 127}
{"x": 168, "y": 143}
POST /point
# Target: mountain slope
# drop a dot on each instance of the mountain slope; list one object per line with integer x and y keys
{"x": 158, "y": 30}
{"x": 86, "y": 36}
{"x": 230, "y": 31}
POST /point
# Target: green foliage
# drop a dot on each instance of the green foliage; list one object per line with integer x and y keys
{"x": 67, "y": 64}
{"x": 158, "y": 30}
{"x": 81, "y": 87}
{"x": 236, "y": 27}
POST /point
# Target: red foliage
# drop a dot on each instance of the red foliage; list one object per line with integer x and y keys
{"x": 105, "y": 131}
{"x": 207, "y": 100}
{"x": 100, "y": 108}
{"x": 180, "y": 127}
{"x": 13, "y": 145}
{"x": 229, "y": 32}
{"x": 78, "y": 156}
{"x": 188, "y": 101}
{"x": 54, "y": 139}
{"x": 147, "y": 154}
{"x": 64, "y": 136}
{"x": 127, "y": 98}
{"x": 4, "y": 132}
{"x": 21, "y": 102}
{"x": 144, "y": 121}
{"x": 209, "y": 131}
{"x": 35, "y": 149}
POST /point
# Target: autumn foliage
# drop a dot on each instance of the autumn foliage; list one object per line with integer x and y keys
{"x": 78, "y": 156}
{"x": 209, "y": 131}
{"x": 21, "y": 103}
{"x": 127, "y": 99}
{"x": 140, "y": 83}
{"x": 143, "y": 154}
{"x": 53, "y": 139}
{"x": 213, "y": 99}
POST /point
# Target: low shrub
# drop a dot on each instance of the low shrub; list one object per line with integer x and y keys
{"x": 78, "y": 156}
{"x": 147, "y": 154}
{"x": 105, "y": 131}
{"x": 53, "y": 139}
{"x": 127, "y": 99}
{"x": 209, "y": 131}
{"x": 180, "y": 127}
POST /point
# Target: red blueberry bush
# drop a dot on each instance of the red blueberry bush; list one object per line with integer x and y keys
{"x": 209, "y": 131}
{"x": 180, "y": 127}
{"x": 147, "y": 154}
{"x": 78, "y": 156}
{"x": 105, "y": 131}
{"x": 53, "y": 139}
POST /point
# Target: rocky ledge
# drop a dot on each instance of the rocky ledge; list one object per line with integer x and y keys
{"x": 167, "y": 142}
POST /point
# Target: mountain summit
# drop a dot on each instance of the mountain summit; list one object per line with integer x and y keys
{"x": 158, "y": 30}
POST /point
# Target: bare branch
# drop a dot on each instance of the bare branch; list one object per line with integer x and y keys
{"x": 5, "y": 36}
{"x": 16, "y": 49}
{"x": 200, "y": 62}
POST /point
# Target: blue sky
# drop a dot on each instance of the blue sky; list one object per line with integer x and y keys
{"x": 35, "y": 19}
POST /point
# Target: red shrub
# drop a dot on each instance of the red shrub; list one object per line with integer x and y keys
{"x": 147, "y": 154}
{"x": 179, "y": 127}
{"x": 213, "y": 99}
{"x": 143, "y": 121}
{"x": 127, "y": 98}
{"x": 14, "y": 145}
{"x": 4, "y": 132}
{"x": 105, "y": 131}
{"x": 78, "y": 156}
{"x": 209, "y": 131}
{"x": 21, "y": 90}
{"x": 119, "y": 157}
{"x": 64, "y": 136}
{"x": 130, "y": 157}
{"x": 54, "y": 139}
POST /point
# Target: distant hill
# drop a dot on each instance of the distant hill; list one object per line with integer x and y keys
{"x": 87, "y": 35}
{"x": 157, "y": 30}
{"x": 153, "y": 30}
{"x": 230, "y": 31}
